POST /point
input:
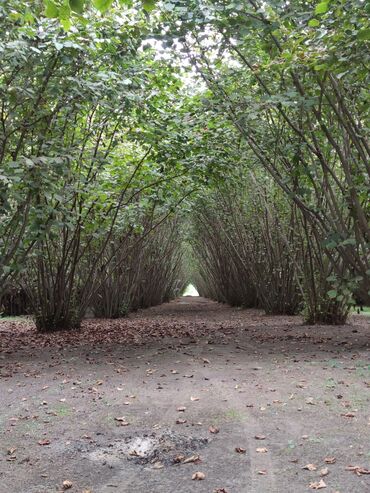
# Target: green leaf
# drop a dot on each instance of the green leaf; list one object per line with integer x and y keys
{"x": 102, "y": 5}
{"x": 313, "y": 23}
{"x": 64, "y": 12}
{"x": 349, "y": 241}
{"x": 363, "y": 35}
{"x": 332, "y": 294}
{"x": 66, "y": 23}
{"x": 149, "y": 5}
{"x": 77, "y": 5}
{"x": 321, "y": 66}
{"x": 322, "y": 7}
{"x": 51, "y": 9}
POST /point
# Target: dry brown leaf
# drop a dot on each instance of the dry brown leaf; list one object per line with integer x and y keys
{"x": 324, "y": 471}
{"x": 318, "y": 485}
{"x": 330, "y": 460}
{"x": 198, "y": 476}
{"x": 194, "y": 398}
{"x": 67, "y": 485}
{"x": 261, "y": 450}
{"x": 358, "y": 470}
{"x": 310, "y": 467}
{"x": 180, "y": 421}
{"x": 178, "y": 459}
{"x": 240, "y": 450}
{"x": 213, "y": 429}
{"x": 348, "y": 415}
{"x": 192, "y": 458}
{"x": 158, "y": 465}
{"x": 262, "y": 472}
{"x": 260, "y": 437}
{"x": 122, "y": 421}
{"x": 181, "y": 409}
{"x": 44, "y": 442}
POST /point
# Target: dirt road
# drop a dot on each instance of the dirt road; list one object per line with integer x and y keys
{"x": 140, "y": 405}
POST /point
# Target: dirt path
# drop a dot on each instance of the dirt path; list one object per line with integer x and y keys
{"x": 286, "y": 395}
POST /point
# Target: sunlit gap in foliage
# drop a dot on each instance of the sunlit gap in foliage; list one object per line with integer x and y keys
{"x": 190, "y": 291}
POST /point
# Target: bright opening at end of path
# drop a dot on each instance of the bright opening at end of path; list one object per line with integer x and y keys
{"x": 190, "y": 291}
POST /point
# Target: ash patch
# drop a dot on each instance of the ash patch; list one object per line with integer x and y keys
{"x": 150, "y": 448}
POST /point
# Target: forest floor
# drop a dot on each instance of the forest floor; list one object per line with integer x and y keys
{"x": 255, "y": 403}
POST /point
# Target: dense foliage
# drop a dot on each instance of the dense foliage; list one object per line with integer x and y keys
{"x": 239, "y": 126}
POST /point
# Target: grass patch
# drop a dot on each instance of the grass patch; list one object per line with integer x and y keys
{"x": 63, "y": 411}
{"x": 365, "y": 310}
{"x": 18, "y": 318}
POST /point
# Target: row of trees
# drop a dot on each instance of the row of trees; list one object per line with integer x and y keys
{"x": 253, "y": 247}
{"x": 87, "y": 207}
{"x": 293, "y": 80}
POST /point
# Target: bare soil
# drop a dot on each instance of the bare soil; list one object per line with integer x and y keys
{"x": 139, "y": 405}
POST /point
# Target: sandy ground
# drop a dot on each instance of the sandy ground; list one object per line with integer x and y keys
{"x": 140, "y": 405}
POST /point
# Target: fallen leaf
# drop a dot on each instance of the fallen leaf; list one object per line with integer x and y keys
{"x": 261, "y": 450}
{"x": 44, "y": 442}
{"x": 198, "y": 476}
{"x": 324, "y": 471}
{"x": 240, "y": 450}
{"x": 318, "y": 485}
{"x": 122, "y": 421}
{"x": 181, "y": 409}
{"x": 213, "y": 429}
{"x": 330, "y": 460}
{"x": 180, "y": 421}
{"x": 178, "y": 459}
{"x": 358, "y": 470}
{"x": 158, "y": 465}
{"x": 348, "y": 415}
{"x": 192, "y": 458}
{"x": 310, "y": 467}
{"x": 67, "y": 485}
{"x": 263, "y": 472}
{"x": 194, "y": 398}
{"x": 260, "y": 437}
